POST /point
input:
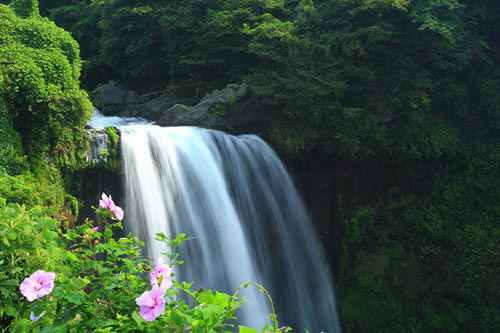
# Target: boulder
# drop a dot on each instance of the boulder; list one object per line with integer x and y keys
{"x": 111, "y": 99}
{"x": 232, "y": 109}
{"x": 229, "y": 95}
{"x": 154, "y": 108}
{"x": 180, "y": 115}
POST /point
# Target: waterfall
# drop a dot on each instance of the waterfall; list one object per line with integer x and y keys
{"x": 234, "y": 197}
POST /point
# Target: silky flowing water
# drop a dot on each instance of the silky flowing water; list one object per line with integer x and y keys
{"x": 234, "y": 197}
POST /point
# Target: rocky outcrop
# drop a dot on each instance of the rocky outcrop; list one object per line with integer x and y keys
{"x": 97, "y": 151}
{"x": 102, "y": 148}
{"x": 111, "y": 99}
{"x": 232, "y": 109}
{"x": 156, "y": 107}
{"x": 208, "y": 111}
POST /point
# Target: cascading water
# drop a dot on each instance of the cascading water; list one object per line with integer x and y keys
{"x": 235, "y": 198}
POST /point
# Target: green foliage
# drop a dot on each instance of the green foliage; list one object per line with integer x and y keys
{"x": 113, "y": 150}
{"x": 31, "y": 190}
{"x": 143, "y": 38}
{"x": 74, "y": 205}
{"x": 25, "y": 8}
{"x": 12, "y": 159}
{"x": 40, "y": 68}
{"x": 426, "y": 261}
{"x": 345, "y": 78}
{"x": 98, "y": 278}
{"x": 28, "y": 241}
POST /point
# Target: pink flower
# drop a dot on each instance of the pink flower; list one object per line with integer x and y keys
{"x": 37, "y": 285}
{"x": 96, "y": 229}
{"x": 161, "y": 271}
{"x": 282, "y": 328}
{"x": 108, "y": 203}
{"x": 151, "y": 303}
{"x": 34, "y": 318}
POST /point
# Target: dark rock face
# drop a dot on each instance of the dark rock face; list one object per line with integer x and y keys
{"x": 154, "y": 108}
{"x": 208, "y": 111}
{"x": 232, "y": 109}
{"x": 112, "y": 100}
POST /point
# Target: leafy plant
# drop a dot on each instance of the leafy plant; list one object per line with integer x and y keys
{"x": 99, "y": 278}
{"x": 39, "y": 85}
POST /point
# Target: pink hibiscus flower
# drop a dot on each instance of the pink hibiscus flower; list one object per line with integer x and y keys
{"x": 161, "y": 271}
{"x": 37, "y": 285}
{"x": 151, "y": 303}
{"x": 108, "y": 203}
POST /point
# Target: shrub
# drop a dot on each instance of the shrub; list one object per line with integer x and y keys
{"x": 100, "y": 280}
{"x": 31, "y": 191}
{"x": 28, "y": 241}
{"x": 39, "y": 82}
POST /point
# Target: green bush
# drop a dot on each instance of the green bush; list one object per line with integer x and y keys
{"x": 39, "y": 86}
{"x": 28, "y": 241}
{"x": 31, "y": 190}
{"x": 97, "y": 280}
{"x": 427, "y": 260}
{"x": 12, "y": 159}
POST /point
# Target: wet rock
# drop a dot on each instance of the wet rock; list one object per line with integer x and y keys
{"x": 98, "y": 151}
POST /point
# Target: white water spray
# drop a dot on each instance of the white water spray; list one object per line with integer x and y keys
{"x": 234, "y": 196}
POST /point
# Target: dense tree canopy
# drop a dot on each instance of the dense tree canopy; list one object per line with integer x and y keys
{"x": 362, "y": 80}
{"x": 39, "y": 85}
{"x": 42, "y": 108}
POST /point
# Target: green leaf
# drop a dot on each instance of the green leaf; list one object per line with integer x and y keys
{"x": 244, "y": 329}
{"x": 212, "y": 312}
{"x": 74, "y": 297}
{"x": 11, "y": 234}
{"x": 58, "y": 327}
{"x": 48, "y": 235}
{"x": 10, "y": 282}
{"x": 39, "y": 308}
{"x": 21, "y": 326}
{"x": 10, "y": 311}
{"x": 180, "y": 318}
{"x": 108, "y": 233}
{"x": 138, "y": 319}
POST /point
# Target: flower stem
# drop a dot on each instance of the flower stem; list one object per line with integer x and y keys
{"x": 101, "y": 279}
{"x": 261, "y": 289}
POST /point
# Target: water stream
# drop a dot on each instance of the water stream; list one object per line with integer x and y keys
{"x": 248, "y": 223}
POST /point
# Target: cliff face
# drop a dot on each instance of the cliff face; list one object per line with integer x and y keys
{"x": 100, "y": 168}
{"x": 101, "y": 148}
{"x": 98, "y": 143}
